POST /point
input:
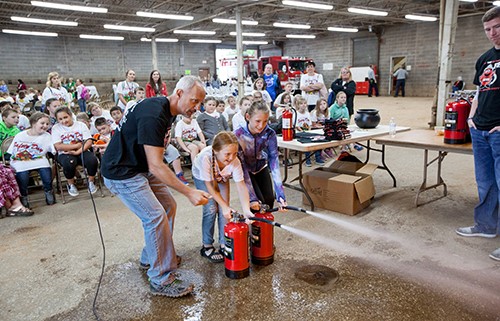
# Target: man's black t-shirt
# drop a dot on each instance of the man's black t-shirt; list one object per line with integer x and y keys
{"x": 487, "y": 75}
{"x": 146, "y": 123}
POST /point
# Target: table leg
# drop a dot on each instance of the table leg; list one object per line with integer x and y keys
{"x": 439, "y": 180}
{"x": 384, "y": 165}
{"x": 285, "y": 174}
{"x": 302, "y": 188}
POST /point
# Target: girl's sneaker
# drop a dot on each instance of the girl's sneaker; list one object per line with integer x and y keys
{"x": 72, "y": 190}
{"x": 181, "y": 177}
{"x": 92, "y": 187}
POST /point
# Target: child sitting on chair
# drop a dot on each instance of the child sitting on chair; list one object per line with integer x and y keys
{"x": 71, "y": 139}
{"x": 189, "y": 136}
{"x": 211, "y": 122}
{"x": 29, "y": 152}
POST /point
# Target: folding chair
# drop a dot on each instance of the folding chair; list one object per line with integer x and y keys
{"x": 79, "y": 169}
{"x": 4, "y": 147}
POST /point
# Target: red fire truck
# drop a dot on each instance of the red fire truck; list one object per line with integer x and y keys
{"x": 289, "y": 69}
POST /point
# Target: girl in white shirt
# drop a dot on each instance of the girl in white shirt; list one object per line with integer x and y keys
{"x": 71, "y": 138}
{"x": 212, "y": 169}
{"x": 29, "y": 152}
{"x": 54, "y": 89}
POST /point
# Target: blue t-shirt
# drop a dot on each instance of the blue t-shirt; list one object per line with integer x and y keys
{"x": 271, "y": 84}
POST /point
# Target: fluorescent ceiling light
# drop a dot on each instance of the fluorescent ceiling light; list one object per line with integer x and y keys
{"x": 496, "y": 3}
{"x": 342, "y": 29}
{"x": 420, "y": 18}
{"x": 101, "y": 37}
{"x": 161, "y": 39}
{"x": 44, "y": 21}
{"x": 233, "y": 22}
{"x": 301, "y": 36}
{"x": 53, "y": 5}
{"x": 249, "y": 42}
{"x": 129, "y": 28}
{"x": 30, "y": 33}
{"x": 195, "y": 32}
{"x": 249, "y": 34}
{"x": 471, "y": 1}
{"x": 289, "y": 25}
{"x": 204, "y": 41}
{"x": 368, "y": 12}
{"x": 307, "y": 5}
{"x": 163, "y": 16}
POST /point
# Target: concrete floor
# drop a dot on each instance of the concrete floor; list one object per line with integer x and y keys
{"x": 51, "y": 262}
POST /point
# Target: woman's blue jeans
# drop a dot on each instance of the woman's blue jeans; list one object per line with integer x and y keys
{"x": 486, "y": 149}
{"x": 83, "y": 105}
{"x": 23, "y": 179}
{"x": 152, "y": 202}
{"x": 211, "y": 211}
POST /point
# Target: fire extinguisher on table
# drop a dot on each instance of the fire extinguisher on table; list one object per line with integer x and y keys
{"x": 288, "y": 125}
{"x": 456, "y": 130}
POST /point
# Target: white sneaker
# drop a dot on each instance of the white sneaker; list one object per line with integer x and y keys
{"x": 92, "y": 187}
{"x": 72, "y": 190}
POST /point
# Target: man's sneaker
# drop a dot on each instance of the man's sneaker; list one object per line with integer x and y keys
{"x": 495, "y": 255}
{"x": 174, "y": 288}
{"x": 92, "y": 187}
{"x": 320, "y": 162}
{"x": 308, "y": 163}
{"x": 181, "y": 177}
{"x": 473, "y": 231}
{"x": 49, "y": 198}
{"x": 72, "y": 190}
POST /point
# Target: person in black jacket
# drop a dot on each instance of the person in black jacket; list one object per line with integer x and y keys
{"x": 346, "y": 84}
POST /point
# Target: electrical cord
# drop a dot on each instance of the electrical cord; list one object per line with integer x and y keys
{"x": 94, "y": 304}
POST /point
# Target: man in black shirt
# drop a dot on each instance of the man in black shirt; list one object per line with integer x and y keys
{"x": 484, "y": 123}
{"x": 134, "y": 170}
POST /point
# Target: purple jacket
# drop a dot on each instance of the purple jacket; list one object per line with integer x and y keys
{"x": 255, "y": 153}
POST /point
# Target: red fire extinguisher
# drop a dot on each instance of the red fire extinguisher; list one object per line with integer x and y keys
{"x": 236, "y": 256}
{"x": 262, "y": 239}
{"x": 288, "y": 128}
{"x": 456, "y": 129}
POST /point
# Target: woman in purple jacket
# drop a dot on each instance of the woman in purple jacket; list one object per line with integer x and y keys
{"x": 258, "y": 154}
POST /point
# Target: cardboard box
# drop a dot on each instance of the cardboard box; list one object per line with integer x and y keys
{"x": 344, "y": 187}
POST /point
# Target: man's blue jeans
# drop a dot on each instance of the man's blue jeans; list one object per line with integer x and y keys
{"x": 211, "y": 211}
{"x": 23, "y": 179}
{"x": 155, "y": 206}
{"x": 486, "y": 148}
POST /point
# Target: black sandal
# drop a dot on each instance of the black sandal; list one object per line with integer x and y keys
{"x": 22, "y": 211}
{"x": 211, "y": 254}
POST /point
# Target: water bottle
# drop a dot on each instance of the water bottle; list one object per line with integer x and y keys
{"x": 392, "y": 127}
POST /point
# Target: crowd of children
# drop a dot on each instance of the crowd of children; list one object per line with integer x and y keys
{"x": 223, "y": 140}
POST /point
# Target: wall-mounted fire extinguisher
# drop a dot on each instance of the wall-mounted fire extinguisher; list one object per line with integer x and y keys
{"x": 236, "y": 256}
{"x": 288, "y": 125}
{"x": 262, "y": 239}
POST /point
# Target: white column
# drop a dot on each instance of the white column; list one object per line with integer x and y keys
{"x": 154, "y": 52}
{"x": 449, "y": 26}
{"x": 239, "y": 51}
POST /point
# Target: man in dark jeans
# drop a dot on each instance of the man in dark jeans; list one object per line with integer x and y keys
{"x": 484, "y": 123}
{"x": 401, "y": 74}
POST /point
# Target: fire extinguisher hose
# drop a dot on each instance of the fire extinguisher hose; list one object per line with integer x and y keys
{"x": 265, "y": 221}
